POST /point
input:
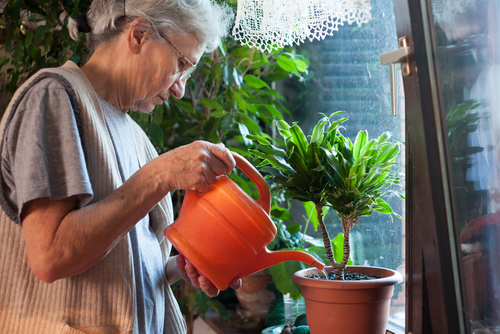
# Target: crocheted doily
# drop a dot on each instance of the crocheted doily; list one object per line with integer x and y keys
{"x": 272, "y": 24}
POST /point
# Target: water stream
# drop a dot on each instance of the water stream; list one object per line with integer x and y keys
{"x": 326, "y": 275}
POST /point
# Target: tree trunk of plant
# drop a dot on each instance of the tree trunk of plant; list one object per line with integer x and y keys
{"x": 347, "y": 224}
{"x": 326, "y": 238}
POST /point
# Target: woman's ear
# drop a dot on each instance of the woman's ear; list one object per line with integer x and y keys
{"x": 137, "y": 34}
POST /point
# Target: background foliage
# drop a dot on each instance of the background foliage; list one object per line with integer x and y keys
{"x": 37, "y": 37}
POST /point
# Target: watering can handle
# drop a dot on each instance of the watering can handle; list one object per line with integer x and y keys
{"x": 249, "y": 170}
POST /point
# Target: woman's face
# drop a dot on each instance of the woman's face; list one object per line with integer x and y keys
{"x": 160, "y": 73}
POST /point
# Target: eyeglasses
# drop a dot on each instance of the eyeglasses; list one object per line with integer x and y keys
{"x": 187, "y": 68}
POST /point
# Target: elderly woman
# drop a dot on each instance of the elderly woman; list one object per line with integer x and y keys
{"x": 84, "y": 196}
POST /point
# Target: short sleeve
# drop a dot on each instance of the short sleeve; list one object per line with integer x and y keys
{"x": 42, "y": 153}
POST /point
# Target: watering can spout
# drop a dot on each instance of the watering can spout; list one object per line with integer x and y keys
{"x": 268, "y": 258}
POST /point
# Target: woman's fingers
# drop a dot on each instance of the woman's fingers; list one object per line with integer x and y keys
{"x": 193, "y": 275}
{"x": 195, "y": 166}
{"x": 200, "y": 282}
{"x": 223, "y": 155}
{"x": 190, "y": 274}
{"x": 236, "y": 284}
{"x": 210, "y": 176}
{"x": 181, "y": 265}
{"x": 208, "y": 287}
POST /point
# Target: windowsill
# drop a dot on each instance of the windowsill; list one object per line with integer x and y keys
{"x": 221, "y": 327}
{"x": 394, "y": 328}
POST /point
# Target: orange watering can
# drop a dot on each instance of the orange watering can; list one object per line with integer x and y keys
{"x": 224, "y": 232}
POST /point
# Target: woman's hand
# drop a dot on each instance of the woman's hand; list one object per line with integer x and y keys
{"x": 189, "y": 273}
{"x": 194, "y": 166}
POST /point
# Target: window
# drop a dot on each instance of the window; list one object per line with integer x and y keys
{"x": 345, "y": 74}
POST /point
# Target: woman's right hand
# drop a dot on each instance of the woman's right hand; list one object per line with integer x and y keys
{"x": 194, "y": 166}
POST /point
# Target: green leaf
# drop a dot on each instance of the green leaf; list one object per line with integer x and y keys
{"x": 261, "y": 140}
{"x": 319, "y": 129}
{"x": 336, "y": 123}
{"x": 314, "y": 242}
{"x": 389, "y": 153}
{"x": 248, "y": 121}
{"x": 220, "y": 309}
{"x": 237, "y": 76}
{"x": 222, "y": 47}
{"x": 242, "y": 105}
{"x": 274, "y": 112}
{"x": 301, "y": 65}
{"x": 39, "y": 34}
{"x": 3, "y": 61}
{"x": 338, "y": 248}
{"x": 191, "y": 300}
{"x": 287, "y": 64}
{"x": 202, "y": 301}
{"x": 36, "y": 18}
{"x": 158, "y": 114}
{"x": 264, "y": 58}
{"x": 241, "y": 52}
{"x": 48, "y": 42}
{"x": 225, "y": 74}
{"x": 218, "y": 114}
{"x": 384, "y": 137}
{"x": 244, "y": 133}
{"x": 360, "y": 141}
{"x": 276, "y": 161}
{"x": 216, "y": 73}
{"x": 294, "y": 228}
{"x": 312, "y": 213}
{"x": 211, "y": 104}
{"x": 298, "y": 164}
{"x": 252, "y": 108}
{"x": 299, "y": 139}
{"x": 18, "y": 54}
{"x": 383, "y": 206}
{"x": 281, "y": 213}
{"x": 320, "y": 252}
{"x": 255, "y": 82}
{"x": 29, "y": 39}
{"x": 156, "y": 134}
{"x": 283, "y": 129}
{"x": 282, "y": 274}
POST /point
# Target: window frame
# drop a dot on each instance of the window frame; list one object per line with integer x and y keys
{"x": 434, "y": 283}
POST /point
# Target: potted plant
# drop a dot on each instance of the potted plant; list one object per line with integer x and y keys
{"x": 351, "y": 178}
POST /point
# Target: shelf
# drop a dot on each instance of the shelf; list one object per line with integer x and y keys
{"x": 215, "y": 322}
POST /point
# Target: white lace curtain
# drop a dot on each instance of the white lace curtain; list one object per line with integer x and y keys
{"x": 272, "y": 24}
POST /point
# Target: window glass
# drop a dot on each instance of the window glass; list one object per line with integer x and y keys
{"x": 345, "y": 74}
{"x": 467, "y": 35}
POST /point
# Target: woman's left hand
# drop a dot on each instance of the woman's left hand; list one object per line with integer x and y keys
{"x": 189, "y": 273}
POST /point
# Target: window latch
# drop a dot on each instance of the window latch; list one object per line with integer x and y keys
{"x": 397, "y": 60}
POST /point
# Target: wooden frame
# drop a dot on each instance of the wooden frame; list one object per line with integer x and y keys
{"x": 433, "y": 274}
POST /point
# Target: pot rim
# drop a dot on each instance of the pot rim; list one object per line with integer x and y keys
{"x": 388, "y": 277}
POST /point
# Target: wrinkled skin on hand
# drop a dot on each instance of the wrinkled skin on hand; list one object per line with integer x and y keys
{"x": 190, "y": 274}
{"x": 195, "y": 166}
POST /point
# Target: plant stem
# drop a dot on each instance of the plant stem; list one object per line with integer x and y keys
{"x": 308, "y": 219}
{"x": 347, "y": 224}
{"x": 252, "y": 51}
{"x": 326, "y": 238}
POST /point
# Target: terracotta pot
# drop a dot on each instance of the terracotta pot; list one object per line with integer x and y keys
{"x": 360, "y": 307}
{"x": 253, "y": 296}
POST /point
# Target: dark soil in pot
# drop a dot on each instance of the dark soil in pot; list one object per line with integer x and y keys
{"x": 348, "y": 276}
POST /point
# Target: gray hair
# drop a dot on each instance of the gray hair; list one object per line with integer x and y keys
{"x": 206, "y": 19}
